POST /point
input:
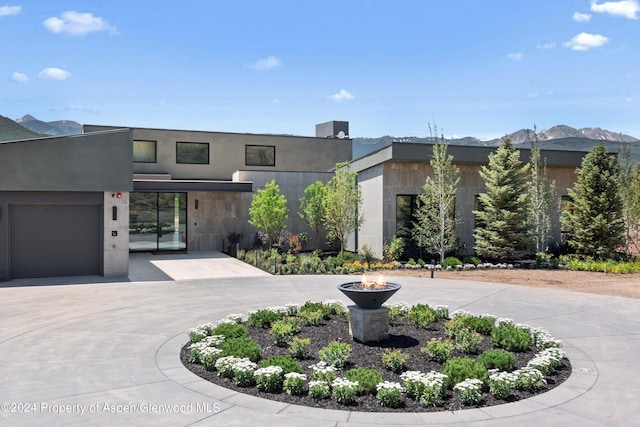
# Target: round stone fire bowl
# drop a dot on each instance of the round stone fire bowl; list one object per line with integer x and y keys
{"x": 369, "y": 298}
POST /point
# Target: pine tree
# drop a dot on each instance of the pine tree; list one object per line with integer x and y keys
{"x": 502, "y": 227}
{"x": 630, "y": 192}
{"x": 594, "y": 217}
{"x": 542, "y": 194}
{"x": 435, "y": 228}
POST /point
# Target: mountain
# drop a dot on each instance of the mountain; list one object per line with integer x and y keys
{"x": 11, "y": 131}
{"x": 56, "y": 128}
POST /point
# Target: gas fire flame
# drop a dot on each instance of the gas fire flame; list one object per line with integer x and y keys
{"x": 368, "y": 283}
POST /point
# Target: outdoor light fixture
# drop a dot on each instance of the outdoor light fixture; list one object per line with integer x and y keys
{"x": 196, "y": 204}
{"x": 114, "y": 213}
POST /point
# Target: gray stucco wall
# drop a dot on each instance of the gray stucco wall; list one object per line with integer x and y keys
{"x": 220, "y": 213}
{"x": 227, "y": 152}
{"x": 91, "y": 162}
{"x": 382, "y": 183}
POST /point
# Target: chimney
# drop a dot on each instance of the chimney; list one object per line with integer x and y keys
{"x": 333, "y": 129}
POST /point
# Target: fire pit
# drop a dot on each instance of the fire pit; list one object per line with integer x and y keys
{"x": 368, "y": 320}
{"x": 369, "y": 294}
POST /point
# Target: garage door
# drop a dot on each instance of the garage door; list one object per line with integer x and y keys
{"x": 55, "y": 240}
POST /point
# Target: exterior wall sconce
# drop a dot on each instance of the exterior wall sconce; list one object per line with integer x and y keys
{"x": 196, "y": 205}
{"x": 114, "y": 213}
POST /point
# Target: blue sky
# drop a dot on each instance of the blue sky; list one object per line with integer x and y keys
{"x": 473, "y": 67}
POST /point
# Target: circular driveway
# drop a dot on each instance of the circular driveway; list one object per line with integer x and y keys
{"x": 107, "y": 353}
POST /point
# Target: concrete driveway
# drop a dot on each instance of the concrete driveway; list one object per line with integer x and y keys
{"x": 107, "y": 352}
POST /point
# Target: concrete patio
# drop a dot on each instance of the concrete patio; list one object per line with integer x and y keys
{"x": 92, "y": 351}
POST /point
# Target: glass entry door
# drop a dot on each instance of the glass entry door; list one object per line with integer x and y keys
{"x": 157, "y": 222}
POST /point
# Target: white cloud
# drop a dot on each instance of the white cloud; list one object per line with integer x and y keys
{"x": 586, "y": 41}
{"x": 625, "y": 8}
{"x": 80, "y": 108}
{"x": 19, "y": 77}
{"x": 54, "y": 74}
{"x": 549, "y": 45}
{"x": 517, "y": 56}
{"x": 267, "y": 63}
{"x": 343, "y": 95}
{"x": 581, "y": 17}
{"x": 78, "y": 24}
{"x": 10, "y": 10}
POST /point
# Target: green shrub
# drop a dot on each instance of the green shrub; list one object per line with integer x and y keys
{"x": 311, "y": 306}
{"x": 299, "y": 347}
{"x": 470, "y": 259}
{"x": 285, "y": 362}
{"x": 511, "y": 338}
{"x": 451, "y": 262}
{"x": 459, "y": 369}
{"x": 312, "y": 318}
{"x": 263, "y": 318}
{"x": 468, "y": 341}
{"x": 231, "y": 330}
{"x": 439, "y": 350}
{"x": 393, "y": 251}
{"x": 283, "y": 330}
{"x": 242, "y": 347}
{"x": 481, "y": 324}
{"x": 367, "y": 379}
{"x": 335, "y": 353}
{"x": 394, "y": 360}
{"x": 422, "y": 315}
{"x": 498, "y": 359}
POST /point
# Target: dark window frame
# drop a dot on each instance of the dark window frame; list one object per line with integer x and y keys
{"x": 155, "y": 150}
{"x": 413, "y": 206}
{"x": 178, "y": 161}
{"x": 246, "y": 155}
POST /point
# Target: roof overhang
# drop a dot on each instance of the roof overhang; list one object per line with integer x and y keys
{"x": 179, "y": 185}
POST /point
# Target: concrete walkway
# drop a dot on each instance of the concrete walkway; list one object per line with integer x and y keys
{"x": 101, "y": 352}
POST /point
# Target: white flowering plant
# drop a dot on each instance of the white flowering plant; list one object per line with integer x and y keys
{"x": 295, "y": 383}
{"x": 319, "y": 389}
{"x": 529, "y": 378}
{"x": 224, "y": 365}
{"x": 501, "y": 384}
{"x": 469, "y": 391}
{"x": 322, "y": 371}
{"x": 243, "y": 372}
{"x": 344, "y": 390}
{"x": 389, "y": 393}
{"x": 269, "y": 378}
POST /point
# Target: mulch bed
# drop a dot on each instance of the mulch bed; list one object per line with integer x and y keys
{"x": 404, "y": 336}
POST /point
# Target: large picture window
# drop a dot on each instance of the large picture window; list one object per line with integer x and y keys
{"x": 192, "y": 153}
{"x": 260, "y": 155}
{"x": 406, "y": 206}
{"x": 144, "y": 151}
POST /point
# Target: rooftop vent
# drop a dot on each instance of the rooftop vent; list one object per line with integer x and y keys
{"x": 333, "y": 129}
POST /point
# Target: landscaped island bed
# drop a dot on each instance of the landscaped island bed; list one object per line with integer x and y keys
{"x": 406, "y": 337}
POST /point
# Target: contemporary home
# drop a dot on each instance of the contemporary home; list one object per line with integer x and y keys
{"x": 80, "y": 204}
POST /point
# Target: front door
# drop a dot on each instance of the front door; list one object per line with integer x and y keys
{"x": 157, "y": 222}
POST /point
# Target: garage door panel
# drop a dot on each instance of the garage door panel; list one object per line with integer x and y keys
{"x": 55, "y": 240}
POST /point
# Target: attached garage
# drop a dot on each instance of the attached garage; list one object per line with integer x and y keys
{"x": 64, "y": 205}
{"x": 55, "y": 240}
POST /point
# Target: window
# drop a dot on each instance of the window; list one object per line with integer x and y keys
{"x": 144, "y": 151}
{"x": 192, "y": 153}
{"x": 260, "y": 155}
{"x": 406, "y": 206}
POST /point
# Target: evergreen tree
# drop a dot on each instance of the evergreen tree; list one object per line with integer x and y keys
{"x": 542, "y": 194}
{"x": 502, "y": 227}
{"x": 312, "y": 207}
{"x": 435, "y": 228}
{"x": 343, "y": 205}
{"x": 630, "y": 192}
{"x": 269, "y": 211}
{"x": 594, "y": 217}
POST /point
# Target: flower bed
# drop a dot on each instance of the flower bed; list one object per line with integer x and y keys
{"x": 409, "y": 372}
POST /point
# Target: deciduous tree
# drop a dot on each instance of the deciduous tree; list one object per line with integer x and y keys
{"x": 269, "y": 211}
{"x": 312, "y": 207}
